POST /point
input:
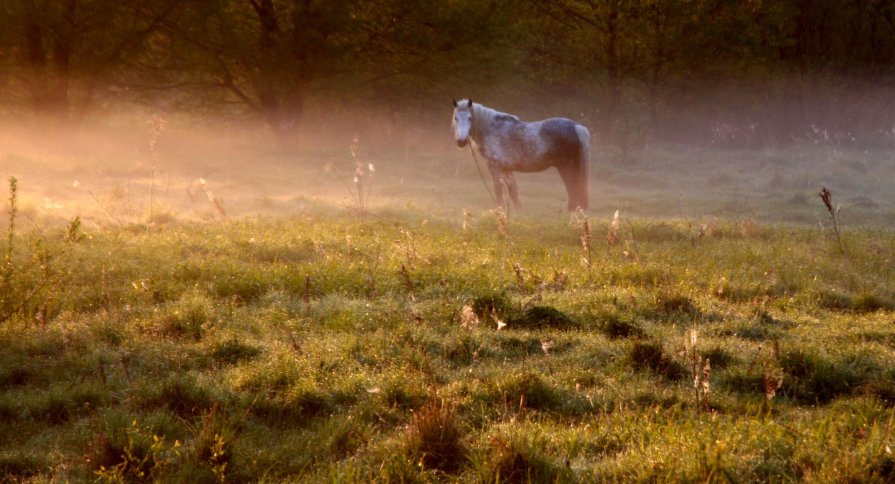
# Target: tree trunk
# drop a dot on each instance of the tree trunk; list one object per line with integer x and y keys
{"x": 613, "y": 70}
{"x": 284, "y": 117}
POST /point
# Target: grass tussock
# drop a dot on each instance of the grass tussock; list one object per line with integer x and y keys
{"x": 435, "y": 439}
{"x": 517, "y": 460}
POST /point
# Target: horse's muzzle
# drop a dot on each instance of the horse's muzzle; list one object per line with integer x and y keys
{"x": 462, "y": 142}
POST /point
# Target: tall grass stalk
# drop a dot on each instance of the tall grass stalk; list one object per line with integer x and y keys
{"x": 612, "y": 233}
{"x": 211, "y": 198}
{"x": 6, "y": 274}
{"x": 585, "y": 238}
{"x": 156, "y": 126}
{"x": 503, "y": 221}
{"x": 77, "y": 184}
{"x": 827, "y": 198}
{"x": 362, "y": 176}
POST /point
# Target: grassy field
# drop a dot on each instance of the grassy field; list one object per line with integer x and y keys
{"x": 717, "y": 331}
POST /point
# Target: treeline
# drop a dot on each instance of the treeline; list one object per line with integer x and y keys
{"x": 748, "y": 72}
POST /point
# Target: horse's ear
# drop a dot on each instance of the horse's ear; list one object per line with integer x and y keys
{"x": 469, "y": 103}
{"x": 455, "y": 102}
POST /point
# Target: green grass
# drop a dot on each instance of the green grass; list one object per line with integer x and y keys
{"x": 303, "y": 341}
{"x": 329, "y": 346}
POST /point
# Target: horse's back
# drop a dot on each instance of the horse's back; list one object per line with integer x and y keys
{"x": 561, "y": 136}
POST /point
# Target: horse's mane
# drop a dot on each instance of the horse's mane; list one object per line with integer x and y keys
{"x": 483, "y": 115}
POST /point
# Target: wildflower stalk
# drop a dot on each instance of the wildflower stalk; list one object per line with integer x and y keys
{"x": 612, "y": 233}
{"x": 827, "y": 198}
{"x": 700, "y": 367}
{"x": 156, "y": 125}
{"x": 585, "y": 237}
{"x": 503, "y": 221}
{"x": 211, "y": 198}
{"x": 362, "y": 176}
{"x": 6, "y": 274}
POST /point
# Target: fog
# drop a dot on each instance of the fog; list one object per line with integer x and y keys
{"x": 131, "y": 113}
{"x": 143, "y": 168}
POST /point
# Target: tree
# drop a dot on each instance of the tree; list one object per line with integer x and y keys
{"x": 60, "y": 53}
{"x": 268, "y": 56}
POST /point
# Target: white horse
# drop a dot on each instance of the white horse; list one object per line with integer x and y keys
{"x": 509, "y": 145}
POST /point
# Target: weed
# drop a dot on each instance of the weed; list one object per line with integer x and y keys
{"x": 26, "y": 287}
{"x": 7, "y": 270}
{"x": 215, "y": 202}
{"x": 361, "y": 176}
{"x": 585, "y": 238}
{"x": 465, "y": 232}
{"x": 213, "y": 443}
{"x": 156, "y": 126}
{"x": 404, "y": 274}
{"x": 131, "y": 452}
{"x": 612, "y": 232}
{"x": 502, "y": 216}
{"x": 700, "y": 368}
{"x": 827, "y": 198}
{"x": 105, "y": 209}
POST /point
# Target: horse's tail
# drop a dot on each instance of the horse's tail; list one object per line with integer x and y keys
{"x": 583, "y": 164}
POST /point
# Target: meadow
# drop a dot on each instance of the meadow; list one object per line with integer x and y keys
{"x": 714, "y": 328}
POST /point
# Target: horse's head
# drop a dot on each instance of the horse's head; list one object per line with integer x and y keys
{"x": 462, "y": 121}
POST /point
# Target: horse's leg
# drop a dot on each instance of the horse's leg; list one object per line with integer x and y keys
{"x": 513, "y": 189}
{"x": 496, "y": 176}
{"x": 576, "y": 185}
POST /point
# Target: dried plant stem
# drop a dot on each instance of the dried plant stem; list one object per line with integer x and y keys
{"x": 105, "y": 209}
{"x": 827, "y": 198}
{"x": 405, "y": 278}
{"x": 211, "y": 198}
{"x": 156, "y": 125}
{"x": 10, "y": 232}
{"x": 151, "y": 193}
{"x": 503, "y": 221}
{"x": 585, "y": 237}
{"x": 307, "y": 295}
{"x": 362, "y": 177}
{"x": 465, "y": 228}
{"x": 7, "y": 270}
{"x": 612, "y": 233}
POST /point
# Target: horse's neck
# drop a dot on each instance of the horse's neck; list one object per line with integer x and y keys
{"x": 481, "y": 119}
